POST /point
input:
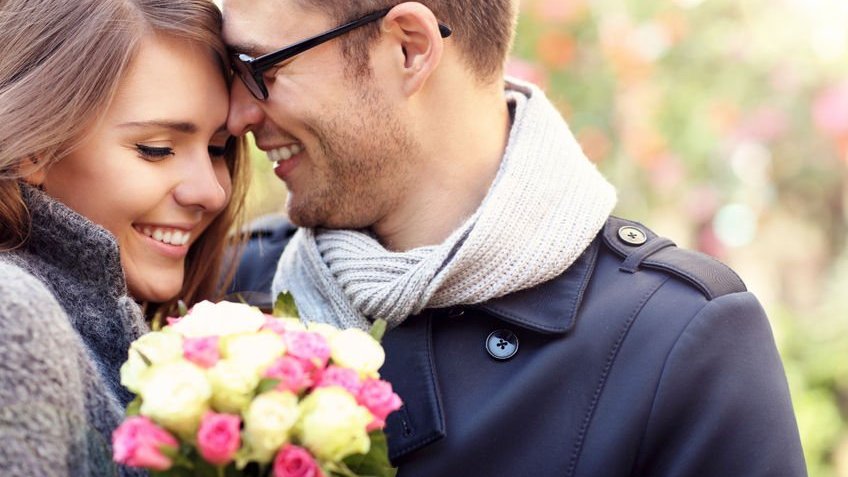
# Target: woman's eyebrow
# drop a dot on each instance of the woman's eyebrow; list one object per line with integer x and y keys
{"x": 178, "y": 126}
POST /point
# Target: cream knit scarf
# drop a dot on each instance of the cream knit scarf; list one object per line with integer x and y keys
{"x": 542, "y": 211}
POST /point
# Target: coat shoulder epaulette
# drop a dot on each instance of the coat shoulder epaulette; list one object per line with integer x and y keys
{"x": 270, "y": 225}
{"x": 640, "y": 248}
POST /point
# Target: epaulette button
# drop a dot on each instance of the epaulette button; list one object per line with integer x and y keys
{"x": 632, "y": 235}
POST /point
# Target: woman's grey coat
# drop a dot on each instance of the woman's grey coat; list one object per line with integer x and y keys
{"x": 66, "y": 324}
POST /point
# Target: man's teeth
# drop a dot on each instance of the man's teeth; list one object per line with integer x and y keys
{"x": 168, "y": 236}
{"x": 284, "y": 153}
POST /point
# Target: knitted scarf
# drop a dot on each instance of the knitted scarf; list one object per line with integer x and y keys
{"x": 544, "y": 208}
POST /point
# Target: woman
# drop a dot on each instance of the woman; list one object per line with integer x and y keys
{"x": 118, "y": 186}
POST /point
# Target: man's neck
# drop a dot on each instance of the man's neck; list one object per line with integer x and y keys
{"x": 463, "y": 145}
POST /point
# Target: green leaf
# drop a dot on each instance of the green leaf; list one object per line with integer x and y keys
{"x": 284, "y": 306}
{"x": 147, "y": 361}
{"x": 378, "y": 329}
{"x": 267, "y": 384}
{"x": 134, "y": 407}
{"x": 182, "y": 308}
{"x": 173, "y": 472}
{"x": 376, "y": 462}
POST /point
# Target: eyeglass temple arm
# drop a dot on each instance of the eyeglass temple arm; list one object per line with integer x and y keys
{"x": 273, "y": 58}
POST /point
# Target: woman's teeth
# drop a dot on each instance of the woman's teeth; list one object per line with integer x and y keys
{"x": 284, "y": 153}
{"x": 168, "y": 236}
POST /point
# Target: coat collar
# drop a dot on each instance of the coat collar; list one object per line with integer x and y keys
{"x": 550, "y": 307}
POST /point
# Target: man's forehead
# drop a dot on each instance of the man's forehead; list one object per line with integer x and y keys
{"x": 258, "y": 26}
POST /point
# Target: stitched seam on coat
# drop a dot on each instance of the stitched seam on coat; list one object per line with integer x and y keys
{"x": 429, "y": 349}
{"x": 584, "y": 428}
{"x": 671, "y": 350}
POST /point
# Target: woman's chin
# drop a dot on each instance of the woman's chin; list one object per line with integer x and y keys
{"x": 154, "y": 293}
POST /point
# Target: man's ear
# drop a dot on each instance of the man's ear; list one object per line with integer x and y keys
{"x": 416, "y": 30}
{"x": 32, "y": 172}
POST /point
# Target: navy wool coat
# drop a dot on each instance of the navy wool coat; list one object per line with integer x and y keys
{"x": 642, "y": 359}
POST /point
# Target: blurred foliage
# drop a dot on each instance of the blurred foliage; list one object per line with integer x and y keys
{"x": 724, "y": 125}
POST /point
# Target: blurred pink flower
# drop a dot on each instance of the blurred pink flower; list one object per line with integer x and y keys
{"x": 274, "y": 324}
{"x": 527, "y": 71}
{"x": 560, "y": 11}
{"x": 138, "y": 442}
{"x": 307, "y": 346}
{"x": 218, "y": 437}
{"x": 830, "y": 110}
{"x": 292, "y": 374}
{"x": 378, "y": 397}
{"x": 294, "y": 461}
{"x": 343, "y": 377}
{"x": 764, "y": 124}
{"x": 202, "y": 351}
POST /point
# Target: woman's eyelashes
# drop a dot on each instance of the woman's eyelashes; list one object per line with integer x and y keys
{"x": 153, "y": 153}
{"x": 217, "y": 152}
{"x": 157, "y": 153}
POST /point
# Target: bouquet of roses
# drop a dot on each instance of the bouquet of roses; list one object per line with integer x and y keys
{"x": 226, "y": 390}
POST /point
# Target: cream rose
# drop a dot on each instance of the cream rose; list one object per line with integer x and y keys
{"x": 356, "y": 349}
{"x": 219, "y": 319}
{"x": 332, "y": 425}
{"x": 152, "y": 348}
{"x": 175, "y": 395}
{"x": 268, "y": 422}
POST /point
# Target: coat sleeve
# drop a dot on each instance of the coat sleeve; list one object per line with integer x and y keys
{"x": 722, "y": 406}
{"x": 42, "y": 413}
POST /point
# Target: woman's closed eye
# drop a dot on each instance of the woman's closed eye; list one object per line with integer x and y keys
{"x": 153, "y": 153}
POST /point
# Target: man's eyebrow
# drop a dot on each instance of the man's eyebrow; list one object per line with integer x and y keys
{"x": 178, "y": 126}
{"x": 250, "y": 49}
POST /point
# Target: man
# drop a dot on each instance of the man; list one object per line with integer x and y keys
{"x": 531, "y": 333}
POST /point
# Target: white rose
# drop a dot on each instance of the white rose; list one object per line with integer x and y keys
{"x": 254, "y": 352}
{"x": 219, "y": 319}
{"x": 268, "y": 422}
{"x": 232, "y": 386}
{"x": 356, "y": 349}
{"x": 152, "y": 348}
{"x": 332, "y": 425}
{"x": 175, "y": 395}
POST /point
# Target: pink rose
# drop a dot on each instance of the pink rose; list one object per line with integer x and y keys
{"x": 292, "y": 374}
{"x": 342, "y": 377}
{"x": 173, "y": 320}
{"x": 294, "y": 461}
{"x": 218, "y": 437}
{"x": 202, "y": 351}
{"x": 310, "y": 347}
{"x": 138, "y": 442}
{"x": 274, "y": 324}
{"x": 377, "y": 396}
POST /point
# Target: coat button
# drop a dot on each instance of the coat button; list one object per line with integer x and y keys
{"x": 502, "y": 344}
{"x": 632, "y": 235}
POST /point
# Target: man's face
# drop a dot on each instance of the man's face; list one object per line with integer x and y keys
{"x": 341, "y": 146}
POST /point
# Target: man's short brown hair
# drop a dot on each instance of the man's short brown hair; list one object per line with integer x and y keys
{"x": 482, "y": 29}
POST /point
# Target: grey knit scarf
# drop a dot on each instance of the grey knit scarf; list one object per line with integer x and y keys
{"x": 545, "y": 206}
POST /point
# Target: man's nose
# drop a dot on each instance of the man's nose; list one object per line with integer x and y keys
{"x": 245, "y": 111}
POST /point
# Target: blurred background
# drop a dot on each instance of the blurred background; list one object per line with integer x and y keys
{"x": 724, "y": 125}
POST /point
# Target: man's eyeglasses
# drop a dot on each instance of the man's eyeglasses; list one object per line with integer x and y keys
{"x": 251, "y": 70}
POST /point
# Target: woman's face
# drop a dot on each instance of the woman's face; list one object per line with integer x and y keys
{"x": 152, "y": 171}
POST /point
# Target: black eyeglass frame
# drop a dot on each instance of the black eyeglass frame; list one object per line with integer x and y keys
{"x": 251, "y": 70}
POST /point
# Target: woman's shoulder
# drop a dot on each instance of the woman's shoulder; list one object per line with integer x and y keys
{"x": 22, "y": 295}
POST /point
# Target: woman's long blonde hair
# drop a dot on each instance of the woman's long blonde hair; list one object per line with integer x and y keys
{"x": 60, "y": 67}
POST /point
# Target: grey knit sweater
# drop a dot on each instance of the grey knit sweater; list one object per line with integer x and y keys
{"x": 66, "y": 324}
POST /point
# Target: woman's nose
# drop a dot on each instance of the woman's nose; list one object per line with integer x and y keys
{"x": 205, "y": 185}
